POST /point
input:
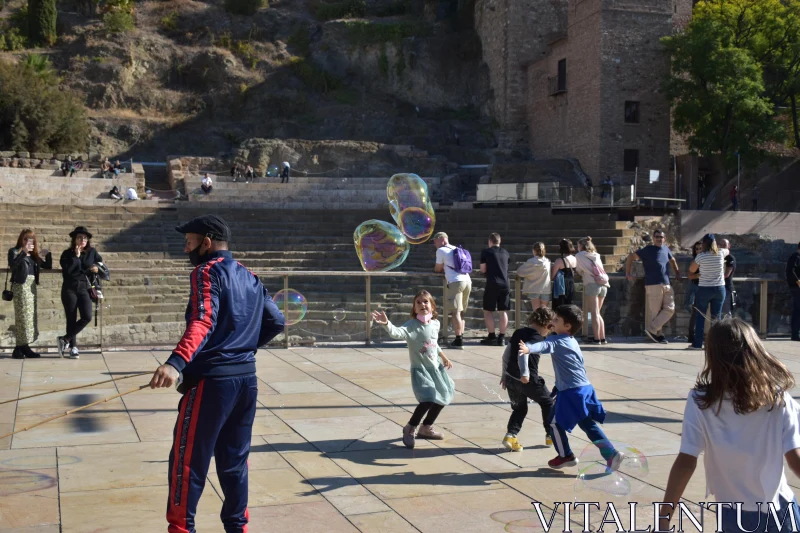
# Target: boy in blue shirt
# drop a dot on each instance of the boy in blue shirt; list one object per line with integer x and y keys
{"x": 576, "y": 402}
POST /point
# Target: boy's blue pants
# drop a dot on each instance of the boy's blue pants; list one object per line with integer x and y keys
{"x": 215, "y": 417}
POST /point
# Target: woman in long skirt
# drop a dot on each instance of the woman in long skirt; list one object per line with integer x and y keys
{"x": 24, "y": 260}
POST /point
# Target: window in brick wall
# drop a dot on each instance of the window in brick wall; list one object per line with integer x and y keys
{"x": 631, "y": 112}
{"x": 562, "y": 75}
{"x": 631, "y": 160}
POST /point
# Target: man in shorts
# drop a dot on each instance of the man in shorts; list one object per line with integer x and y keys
{"x": 458, "y": 285}
{"x": 497, "y": 296}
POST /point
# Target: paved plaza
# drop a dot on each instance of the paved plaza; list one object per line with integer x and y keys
{"x": 326, "y": 452}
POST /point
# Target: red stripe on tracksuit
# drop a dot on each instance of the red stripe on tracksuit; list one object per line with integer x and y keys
{"x": 181, "y": 472}
{"x": 201, "y": 319}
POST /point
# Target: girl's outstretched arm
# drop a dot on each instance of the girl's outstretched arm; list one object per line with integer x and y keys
{"x": 679, "y": 476}
{"x": 398, "y": 333}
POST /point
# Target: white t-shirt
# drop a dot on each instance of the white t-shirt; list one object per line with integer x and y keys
{"x": 286, "y": 164}
{"x": 207, "y": 181}
{"x": 743, "y": 453}
{"x": 444, "y": 256}
{"x": 712, "y": 269}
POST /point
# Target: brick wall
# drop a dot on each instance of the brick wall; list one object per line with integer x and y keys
{"x": 35, "y": 186}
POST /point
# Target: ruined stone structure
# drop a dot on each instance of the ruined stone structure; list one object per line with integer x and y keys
{"x": 581, "y": 78}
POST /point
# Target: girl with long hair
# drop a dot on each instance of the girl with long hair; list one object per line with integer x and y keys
{"x": 24, "y": 262}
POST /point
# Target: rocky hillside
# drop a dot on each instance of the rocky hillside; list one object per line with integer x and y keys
{"x": 193, "y": 78}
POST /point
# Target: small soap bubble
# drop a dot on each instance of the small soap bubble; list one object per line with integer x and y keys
{"x": 272, "y": 171}
{"x": 297, "y": 305}
{"x": 339, "y": 314}
{"x": 519, "y": 521}
{"x": 406, "y": 191}
{"x": 416, "y": 224}
{"x": 596, "y": 480}
{"x": 380, "y": 246}
{"x": 49, "y": 380}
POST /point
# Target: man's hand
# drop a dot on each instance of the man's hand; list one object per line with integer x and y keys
{"x": 523, "y": 347}
{"x": 164, "y": 376}
{"x": 503, "y": 383}
{"x": 524, "y": 379}
{"x": 630, "y": 277}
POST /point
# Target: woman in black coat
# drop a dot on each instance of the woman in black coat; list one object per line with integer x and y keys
{"x": 77, "y": 264}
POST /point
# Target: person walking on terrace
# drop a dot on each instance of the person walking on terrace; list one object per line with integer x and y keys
{"x": 793, "y": 279}
{"x": 729, "y": 305}
{"x": 285, "y": 172}
{"x": 711, "y": 290}
{"x": 497, "y": 295}
{"x": 656, "y": 258}
{"x": 459, "y": 285}
{"x": 78, "y": 262}
{"x": 24, "y": 261}
{"x": 433, "y": 388}
{"x": 229, "y": 315}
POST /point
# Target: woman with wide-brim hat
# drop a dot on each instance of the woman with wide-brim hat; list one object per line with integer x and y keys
{"x": 78, "y": 262}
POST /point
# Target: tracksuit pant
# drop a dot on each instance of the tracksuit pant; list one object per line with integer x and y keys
{"x": 518, "y": 394}
{"x": 215, "y": 417}
{"x": 592, "y": 430}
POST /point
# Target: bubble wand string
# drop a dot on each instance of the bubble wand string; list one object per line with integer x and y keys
{"x": 74, "y": 388}
{"x": 66, "y": 413}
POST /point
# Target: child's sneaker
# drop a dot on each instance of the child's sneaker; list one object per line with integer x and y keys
{"x": 615, "y": 462}
{"x": 427, "y": 432}
{"x": 560, "y": 462}
{"x": 548, "y": 440}
{"x": 511, "y": 443}
{"x": 408, "y": 435}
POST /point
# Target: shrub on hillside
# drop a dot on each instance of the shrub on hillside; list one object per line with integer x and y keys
{"x": 244, "y": 7}
{"x": 34, "y": 114}
{"x": 340, "y": 10}
{"x": 42, "y": 22}
{"x": 118, "y": 22}
{"x": 14, "y": 31}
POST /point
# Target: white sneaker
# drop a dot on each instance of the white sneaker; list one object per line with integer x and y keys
{"x": 74, "y": 353}
{"x": 615, "y": 462}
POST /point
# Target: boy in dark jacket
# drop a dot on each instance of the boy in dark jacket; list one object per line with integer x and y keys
{"x": 521, "y": 378}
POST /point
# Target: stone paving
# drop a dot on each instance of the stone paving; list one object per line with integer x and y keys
{"x": 326, "y": 451}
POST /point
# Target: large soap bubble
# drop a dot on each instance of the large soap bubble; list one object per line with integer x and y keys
{"x": 596, "y": 480}
{"x": 380, "y": 246}
{"x": 272, "y": 171}
{"x": 416, "y": 224}
{"x": 297, "y": 305}
{"x": 410, "y": 206}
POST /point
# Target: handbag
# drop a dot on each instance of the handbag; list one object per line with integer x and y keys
{"x": 7, "y": 294}
{"x": 92, "y": 290}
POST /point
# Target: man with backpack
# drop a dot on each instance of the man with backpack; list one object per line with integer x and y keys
{"x": 456, "y": 264}
{"x": 656, "y": 258}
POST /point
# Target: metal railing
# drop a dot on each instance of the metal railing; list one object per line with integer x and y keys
{"x": 368, "y": 277}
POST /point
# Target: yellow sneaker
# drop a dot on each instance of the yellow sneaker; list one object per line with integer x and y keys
{"x": 548, "y": 441}
{"x": 512, "y": 444}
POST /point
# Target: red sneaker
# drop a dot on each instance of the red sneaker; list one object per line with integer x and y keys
{"x": 560, "y": 462}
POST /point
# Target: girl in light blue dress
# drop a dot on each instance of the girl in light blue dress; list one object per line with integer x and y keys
{"x": 432, "y": 387}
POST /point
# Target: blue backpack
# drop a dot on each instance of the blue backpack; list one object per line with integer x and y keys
{"x": 462, "y": 261}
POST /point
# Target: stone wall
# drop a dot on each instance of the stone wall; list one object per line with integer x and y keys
{"x": 39, "y": 186}
{"x": 778, "y": 226}
{"x": 514, "y": 33}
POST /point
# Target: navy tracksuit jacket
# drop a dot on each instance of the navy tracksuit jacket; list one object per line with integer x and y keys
{"x": 229, "y": 315}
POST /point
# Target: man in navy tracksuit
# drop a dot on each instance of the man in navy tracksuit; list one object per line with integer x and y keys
{"x": 230, "y": 314}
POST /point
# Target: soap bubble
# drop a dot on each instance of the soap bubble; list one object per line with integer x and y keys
{"x": 272, "y": 171}
{"x": 596, "y": 480}
{"x": 339, "y": 314}
{"x": 49, "y": 380}
{"x": 297, "y": 305}
{"x": 380, "y": 246}
{"x": 405, "y": 191}
{"x": 416, "y": 224}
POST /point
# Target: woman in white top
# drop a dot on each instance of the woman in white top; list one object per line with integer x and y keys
{"x": 711, "y": 289}
{"x": 536, "y": 273}
{"x": 740, "y": 414}
{"x": 595, "y": 292}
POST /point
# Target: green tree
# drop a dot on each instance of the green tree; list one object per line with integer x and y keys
{"x": 42, "y": 16}
{"x": 717, "y": 94}
{"x": 35, "y": 115}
